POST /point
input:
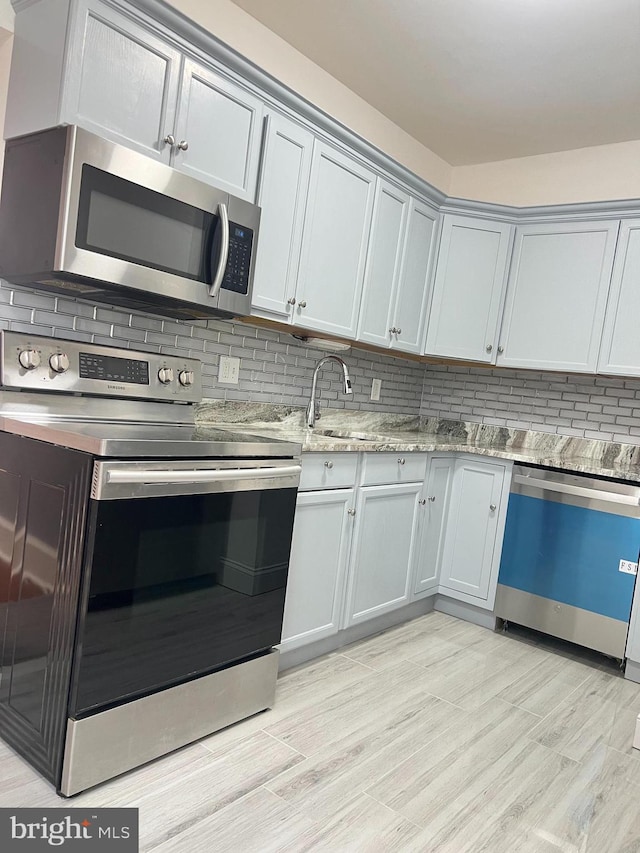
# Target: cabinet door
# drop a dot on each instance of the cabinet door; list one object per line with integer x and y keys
{"x": 383, "y": 265}
{"x": 334, "y": 243}
{"x": 557, "y": 294}
{"x": 282, "y": 195}
{"x": 384, "y": 550}
{"x": 473, "y": 538}
{"x": 410, "y": 314}
{"x": 471, "y": 273}
{"x": 124, "y": 83}
{"x": 434, "y": 515}
{"x": 222, "y": 127}
{"x": 319, "y": 552}
{"x": 620, "y": 352}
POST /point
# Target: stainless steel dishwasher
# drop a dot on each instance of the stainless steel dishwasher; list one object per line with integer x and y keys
{"x": 569, "y": 557}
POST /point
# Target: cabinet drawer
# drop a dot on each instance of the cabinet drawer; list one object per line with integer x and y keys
{"x": 386, "y": 468}
{"x": 328, "y": 470}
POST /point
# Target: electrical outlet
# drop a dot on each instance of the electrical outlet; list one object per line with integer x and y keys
{"x": 376, "y": 384}
{"x": 228, "y": 370}
{"x": 628, "y": 567}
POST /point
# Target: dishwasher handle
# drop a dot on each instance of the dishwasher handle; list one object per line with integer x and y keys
{"x": 576, "y": 491}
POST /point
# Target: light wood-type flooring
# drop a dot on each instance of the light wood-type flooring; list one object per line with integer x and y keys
{"x": 437, "y": 735}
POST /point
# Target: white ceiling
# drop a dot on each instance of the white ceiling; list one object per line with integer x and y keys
{"x": 479, "y": 80}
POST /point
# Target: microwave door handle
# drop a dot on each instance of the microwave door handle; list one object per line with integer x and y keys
{"x": 216, "y": 284}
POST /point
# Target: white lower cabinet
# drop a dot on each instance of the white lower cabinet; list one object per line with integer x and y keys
{"x": 434, "y": 506}
{"x": 317, "y": 568}
{"x": 384, "y": 550}
{"x": 375, "y": 531}
{"x": 474, "y": 530}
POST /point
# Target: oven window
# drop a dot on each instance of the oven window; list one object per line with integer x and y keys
{"x": 124, "y": 220}
{"x": 178, "y": 587}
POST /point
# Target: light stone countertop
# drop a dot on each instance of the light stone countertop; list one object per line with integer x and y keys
{"x": 342, "y": 430}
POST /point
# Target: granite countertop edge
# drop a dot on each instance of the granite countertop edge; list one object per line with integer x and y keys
{"x": 357, "y": 431}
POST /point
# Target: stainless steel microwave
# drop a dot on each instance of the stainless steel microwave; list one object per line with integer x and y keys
{"x": 87, "y": 217}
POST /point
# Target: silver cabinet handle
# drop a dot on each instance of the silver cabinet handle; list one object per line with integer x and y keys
{"x": 214, "y": 290}
{"x": 492, "y": 507}
{"x": 422, "y": 502}
{"x": 351, "y": 512}
{"x": 489, "y": 347}
{"x": 291, "y": 301}
{"x": 328, "y": 464}
{"x": 183, "y": 145}
{"x": 401, "y": 461}
{"x": 169, "y": 140}
{"x": 398, "y": 331}
{"x": 500, "y": 350}
{"x": 432, "y": 498}
{"x": 392, "y": 331}
{"x": 302, "y": 304}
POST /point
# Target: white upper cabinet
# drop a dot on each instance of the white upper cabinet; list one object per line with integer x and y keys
{"x": 557, "y": 295}
{"x": 218, "y": 131}
{"x": 125, "y": 83}
{"x": 620, "y": 351}
{"x": 395, "y": 294}
{"x": 282, "y": 195}
{"x": 386, "y": 247}
{"x": 119, "y": 80}
{"x": 470, "y": 277}
{"x": 334, "y": 242}
{"x": 410, "y": 314}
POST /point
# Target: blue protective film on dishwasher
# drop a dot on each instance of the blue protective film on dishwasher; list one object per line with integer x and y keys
{"x": 570, "y": 554}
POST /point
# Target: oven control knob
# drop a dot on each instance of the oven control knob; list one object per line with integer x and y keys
{"x": 185, "y": 377}
{"x": 165, "y": 375}
{"x": 59, "y": 362}
{"x": 29, "y": 359}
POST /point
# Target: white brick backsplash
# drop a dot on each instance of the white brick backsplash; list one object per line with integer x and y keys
{"x": 589, "y": 406}
{"x": 277, "y": 368}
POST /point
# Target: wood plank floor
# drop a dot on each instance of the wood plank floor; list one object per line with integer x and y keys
{"x": 437, "y": 735}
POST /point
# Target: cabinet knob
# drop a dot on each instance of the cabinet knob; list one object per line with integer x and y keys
{"x": 422, "y": 501}
{"x": 302, "y": 304}
{"x": 489, "y": 347}
{"x": 401, "y": 461}
{"x": 492, "y": 507}
{"x": 328, "y": 464}
{"x": 398, "y": 331}
{"x": 183, "y": 145}
{"x": 169, "y": 140}
{"x": 392, "y": 331}
{"x": 500, "y": 350}
{"x": 291, "y": 301}
{"x": 432, "y": 498}
{"x": 351, "y": 512}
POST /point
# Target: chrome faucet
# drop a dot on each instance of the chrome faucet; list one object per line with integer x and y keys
{"x": 313, "y": 409}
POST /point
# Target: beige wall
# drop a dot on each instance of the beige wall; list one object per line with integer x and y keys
{"x": 587, "y": 174}
{"x": 600, "y": 173}
{"x": 267, "y": 50}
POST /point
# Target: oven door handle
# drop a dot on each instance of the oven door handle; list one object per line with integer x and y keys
{"x": 209, "y": 475}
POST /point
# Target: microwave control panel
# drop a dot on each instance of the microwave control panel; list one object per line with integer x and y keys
{"x": 236, "y": 277}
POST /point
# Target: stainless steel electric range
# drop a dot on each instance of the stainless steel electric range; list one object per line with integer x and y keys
{"x": 143, "y": 560}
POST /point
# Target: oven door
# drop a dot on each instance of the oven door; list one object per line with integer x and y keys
{"x": 133, "y": 222}
{"x": 185, "y": 573}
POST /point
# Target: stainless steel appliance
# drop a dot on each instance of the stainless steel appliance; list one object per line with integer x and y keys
{"x": 143, "y": 560}
{"x": 84, "y": 215}
{"x": 569, "y": 557}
